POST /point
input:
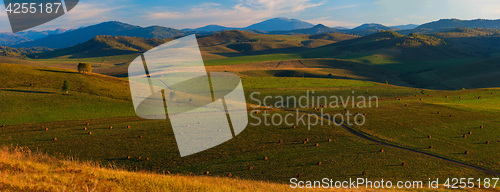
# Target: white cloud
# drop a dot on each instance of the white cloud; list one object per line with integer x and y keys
{"x": 240, "y": 15}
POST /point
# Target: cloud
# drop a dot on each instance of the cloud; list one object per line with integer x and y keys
{"x": 242, "y": 14}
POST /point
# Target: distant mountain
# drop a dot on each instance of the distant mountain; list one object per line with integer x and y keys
{"x": 405, "y": 27}
{"x": 448, "y": 24}
{"x": 8, "y": 39}
{"x": 112, "y": 28}
{"x": 280, "y": 24}
{"x": 372, "y": 27}
{"x": 210, "y": 28}
{"x": 40, "y": 34}
{"x": 105, "y": 45}
{"x": 318, "y": 29}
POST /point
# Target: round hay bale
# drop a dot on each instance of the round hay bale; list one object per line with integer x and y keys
{"x": 85, "y": 128}
{"x": 90, "y": 133}
{"x": 445, "y": 96}
{"x": 466, "y": 152}
{"x": 128, "y": 157}
{"x": 316, "y": 145}
{"x": 46, "y": 129}
{"x": 139, "y": 157}
{"x": 3, "y": 126}
{"x": 319, "y": 163}
{"x": 229, "y": 175}
{"x": 487, "y": 142}
{"x": 299, "y": 175}
{"x": 140, "y": 137}
{"x": 55, "y": 138}
{"x": 305, "y": 142}
{"x": 465, "y": 136}
{"x": 168, "y": 172}
{"x": 403, "y": 164}
{"x": 479, "y": 97}
{"x": 420, "y": 99}
{"x": 381, "y": 150}
{"x": 364, "y": 173}
{"x": 480, "y": 127}
{"x": 329, "y": 140}
{"x": 406, "y": 105}
{"x": 147, "y": 158}
{"x": 294, "y": 127}
{"x": 460, "y": 97}
{"x": 429, "y": 136}
{"x": 88, "y": 124}
{"x": 470, "y": 132}
{"x": 207, "y": 173}
{"x": 439, "y": 112}
{"x": 128, "y": 127}
{"x": 431, "y": 147}
{"x": 250, "y": 168}
{"x": 266, "y": 158}
{"x": 110, "y": 127}
{"x": 280, "y": 141}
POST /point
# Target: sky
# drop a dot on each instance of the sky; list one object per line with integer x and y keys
{"x": 241, "y": 13}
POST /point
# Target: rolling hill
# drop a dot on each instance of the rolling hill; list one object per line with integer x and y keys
{"x": 102, "y": 46}
{"x": 112, "y": 28}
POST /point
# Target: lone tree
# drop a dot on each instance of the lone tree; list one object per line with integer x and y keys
{"x": 66, "y": 86}
{"x": 84, "y": 68}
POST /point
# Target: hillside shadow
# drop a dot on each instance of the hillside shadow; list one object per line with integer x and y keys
{"x": 25, "y": 91}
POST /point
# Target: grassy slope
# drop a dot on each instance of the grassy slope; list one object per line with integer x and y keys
{"x": 23, "y": 170}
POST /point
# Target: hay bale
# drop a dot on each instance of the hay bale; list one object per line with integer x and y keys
{"x": 480, "y": 127}
{"x": 406, "y": 105}
{"x": 470, "y": 132}
{"x": 319, "y": 163}
{"x": 88, "y": 124}
{"x": 250, "y": 168}
{"x": 229, "y": 175}
{"x": 329, "y": 140}
{"x": 403, "y": 164}
{"x": 479, "y": 97}
{"x": 466, "y": 152}
{"x": 46, "y": 129}
{"x": 305, "y": 142}
{"x": 460, "y": 97}
{"x": 128, "y": 157}
{"x": 3, "y": 126}
{"x": 465, "y": 136}
{"x": 147, "y": 158}
{"x": 316, "y": 145}
{"x": 168, "y": 172}
{"x": 431, "y": 147}
{"x": 299, "y": 175}
{"x": 445, "y": 96}
{"x": 294, "y": 127}
{"x": 128, "y": 127}
{"x": 439, "y": 112}
{"x": 85, "y": 128}
{"x": 307, "y": 139}
{"x": 429, "y": 136}
{"x": 139, "y": 157}
{"x": 266, "y": 158}
{"x": 110, "y": 127}
{"x": 381, "y": 150}
{"x": 487, "y": 142}
{"x": 280, "y": 141}
{"x": 364, "y": 173}
{"x": 140, "y": 137}
{"x": 90, "y": 133}
{"x": 207, "y": 173}
{"x": 55, "y": 138}
{"x": 420, "y": 99}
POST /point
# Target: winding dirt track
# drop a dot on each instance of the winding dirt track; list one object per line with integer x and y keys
{"x": 354, "y": 132}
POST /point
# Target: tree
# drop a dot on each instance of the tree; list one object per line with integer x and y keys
{"x": 84, "y": 68}
{"x": 66, "y": 86}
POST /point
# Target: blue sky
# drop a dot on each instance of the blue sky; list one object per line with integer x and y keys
{"x": 241, "y": 13}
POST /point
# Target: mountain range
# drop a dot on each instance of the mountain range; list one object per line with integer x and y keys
{"x": 66, "y": 38}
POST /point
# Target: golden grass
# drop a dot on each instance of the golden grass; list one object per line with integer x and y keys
{"x": 24, "y": 170}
